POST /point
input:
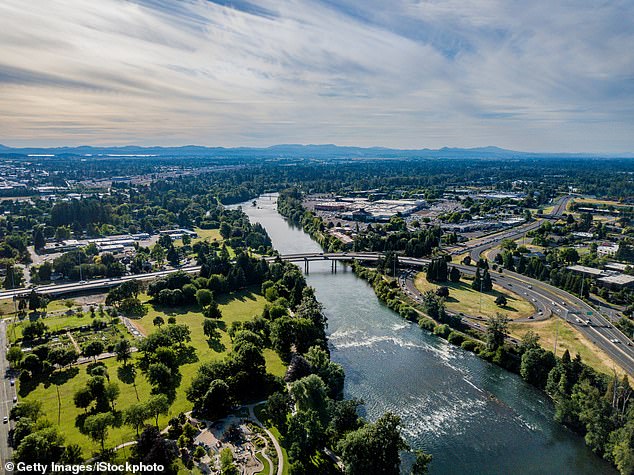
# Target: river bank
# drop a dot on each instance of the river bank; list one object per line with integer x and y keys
{"x": 471, "y": 415}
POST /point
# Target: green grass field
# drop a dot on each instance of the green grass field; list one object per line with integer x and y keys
{"x": 568, "y": 338}
{"x": 243, "y": 306}
{"x": 462, "y": 298}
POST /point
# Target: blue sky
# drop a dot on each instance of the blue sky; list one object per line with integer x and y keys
{"x": 538, "y": 75}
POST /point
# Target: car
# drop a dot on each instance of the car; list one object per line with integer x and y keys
{"x": 15, "y": 399}
{"x": 532, "y": 317}
{"x": 5, "y": 420}
{"x": 530, "y": 286}
{"x": 12, "y": 382}
{"x": 83, "y": 281}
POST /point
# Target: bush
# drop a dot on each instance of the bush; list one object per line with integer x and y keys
{"x": 469, "y": 345}
{"x": 455, "y": 338}
{"x": 442, "y": 330}
{"x": 427, "y": 324}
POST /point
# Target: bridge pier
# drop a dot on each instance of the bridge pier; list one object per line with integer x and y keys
{"x": 306, "y": 267}
{"x": 333, "y": 267}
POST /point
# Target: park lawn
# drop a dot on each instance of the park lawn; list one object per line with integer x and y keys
{"x": 56, "y": 323}
{"x": 548, "y": 209}
{"x": 67, "y": 412}
{"x": 60, "y": 305}
{"x": 240, "y": 306}
{"x": 568, "y": 338}
{"x": 207, "y": 235}
{"x": 235, "y": 307}
{"x": 463, "y": 299}
{"x": 7, "y": 307}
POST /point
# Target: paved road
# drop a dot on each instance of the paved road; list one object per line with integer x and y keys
{"x": 549, "y": 301}
{"x": 476, "y": 247}
{"x": 7, "y": 393}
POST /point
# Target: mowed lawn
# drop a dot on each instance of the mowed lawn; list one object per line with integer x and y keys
{"x": 240, "y": 306}
{"x": 54, "y": 323}
{"x": 463, "y": 299}
{"x": 568, "y": 338}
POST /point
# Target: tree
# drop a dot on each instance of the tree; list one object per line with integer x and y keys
{"x": 43, "y": 446}
{"x": 14, "y": 355}
{"x": 442, "y": 291}
{"x": 123, "y": 350}
{"x": 487, "y": 284}
{"x": 306, "y": 433}
{"x": 277, "y": 407}
{"x": 212, "y": 310}
{"x": 83, "y": 398}
{"x": 204, "y": 297}
{"x": 158, "y": 321}
{"x": 217, "y": 400}
{"x": 34, "y": 330}
{"x": 93, "y": 348}
{"x": 158, "y": 405}
{"x": 477, "y": 281}
{"x": 14, "y": 278}
{"x": 421, "y": 464}
{"x": 454, "y": 275}
{"x": 227, "y": 467}
{"x": 497, "y": 328}
{"x": 38, "y": 238}
{"x": 501, "y": 300}
{"x": 374, "y": 448}
{"x": 210, "y": 329}
{"x": 96, "y": 427}
{"x": 136, "y": 415}
{"x": 111, "y": 394}
{"x": 536, "y": 364}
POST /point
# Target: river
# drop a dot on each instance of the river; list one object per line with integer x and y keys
{"x": 473, "y": 417}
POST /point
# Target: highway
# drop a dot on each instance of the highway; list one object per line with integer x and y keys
{"x": 546, "y": 298}
{"x": 477, "y": 246}
{"x": 7, "y": 393}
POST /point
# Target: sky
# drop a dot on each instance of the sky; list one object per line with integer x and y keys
{"x": 539, "y": 75}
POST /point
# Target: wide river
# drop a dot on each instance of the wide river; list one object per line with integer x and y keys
{"x": 474, "y": 417}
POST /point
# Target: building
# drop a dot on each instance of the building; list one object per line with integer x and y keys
{"x": 607, "y": 249}
{"x": 588, "y": 271}
{"x": 617, "y": 282}
{"x": 617, "y": 266}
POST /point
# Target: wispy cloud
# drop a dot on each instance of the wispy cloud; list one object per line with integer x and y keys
{"x": 537, "y": 75}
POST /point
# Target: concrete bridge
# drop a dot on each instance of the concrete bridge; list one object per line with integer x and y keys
{"x": 334, "y": 257}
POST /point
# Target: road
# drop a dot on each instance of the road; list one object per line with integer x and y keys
{"x": 476, "y": 247}
{"x": 544, "y": 297}
{"x": 549, "y": 300}
{"x": 7, "y": 393}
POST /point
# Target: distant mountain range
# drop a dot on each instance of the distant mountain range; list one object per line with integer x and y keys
{"x": 325, "y": 151}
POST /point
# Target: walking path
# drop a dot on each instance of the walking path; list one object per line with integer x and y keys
{"x": 276, "y": 444}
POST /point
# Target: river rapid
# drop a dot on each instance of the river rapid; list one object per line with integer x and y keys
{"x": 472, "y": 416}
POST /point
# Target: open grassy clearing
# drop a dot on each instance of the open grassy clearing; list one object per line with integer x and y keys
{"x": 568, "y": 338}
{"x": 594, "y": 201}
{"x": 462, "y": 298}
{"x": 243, "y": 306}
